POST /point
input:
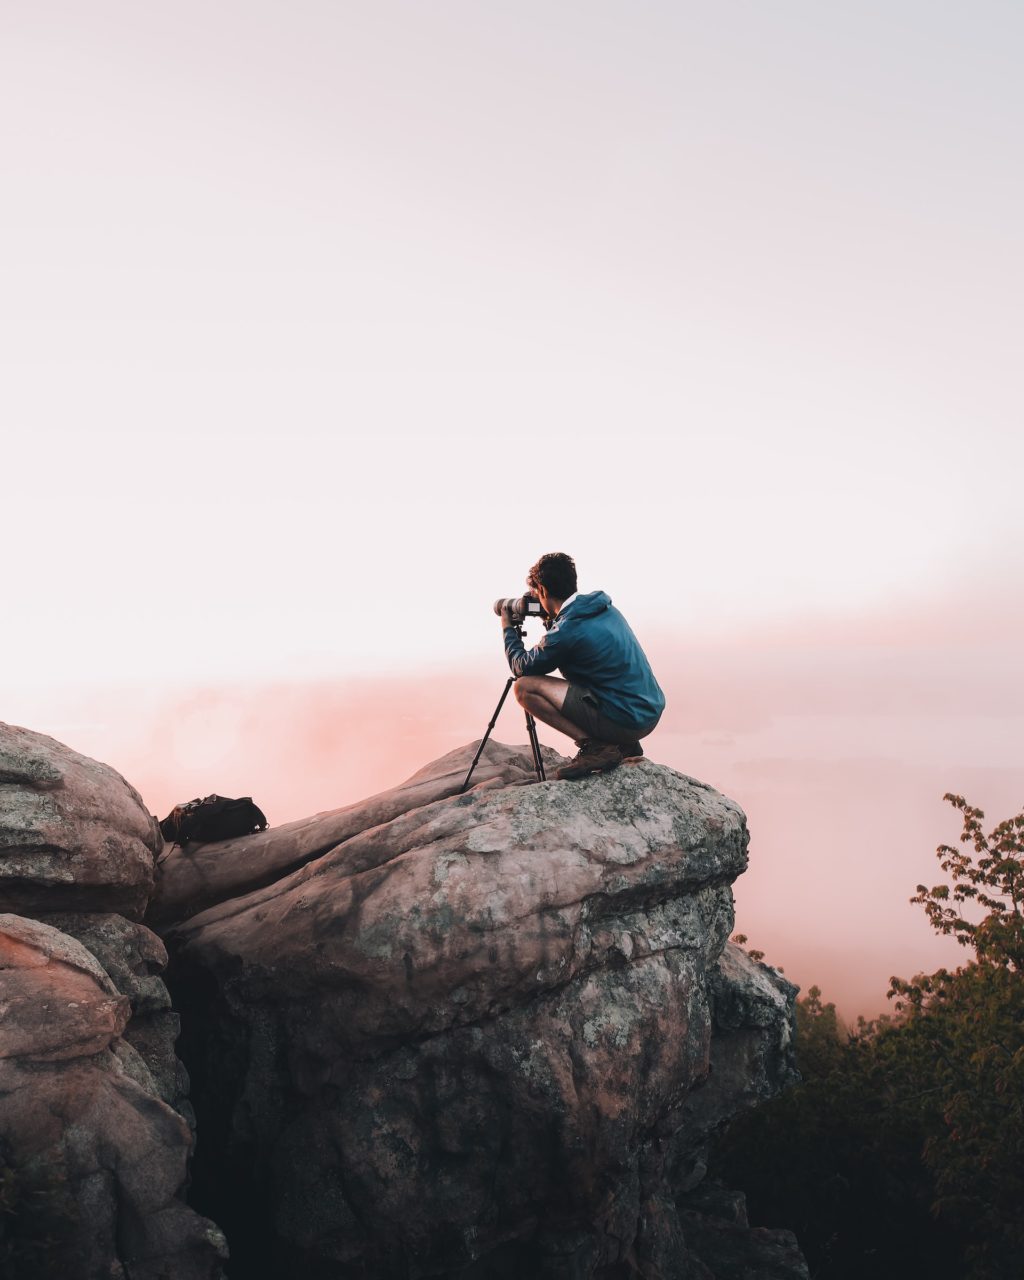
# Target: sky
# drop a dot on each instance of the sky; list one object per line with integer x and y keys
{"x": 320, "y": 322}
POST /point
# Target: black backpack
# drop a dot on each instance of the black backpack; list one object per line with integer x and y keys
{"x": 214, "y": 818}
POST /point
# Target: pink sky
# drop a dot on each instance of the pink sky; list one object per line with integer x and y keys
{"x": 839, "y": 740}
{"x": 320, "y": 322}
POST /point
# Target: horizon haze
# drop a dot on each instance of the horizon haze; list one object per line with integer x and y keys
{"x": 320, "y": 324}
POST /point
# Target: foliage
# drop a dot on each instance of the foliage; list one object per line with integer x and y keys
{"x": 902, "y": 1152}
{"x": 994, "y": 879}
{"x": 967, "y": 1027}
{"x": 819, "y": 1034}
{"x": 741, "y": 940}
{"x": 837, "y": 1160}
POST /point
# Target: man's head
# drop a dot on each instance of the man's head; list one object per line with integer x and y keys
{"x": 553, "y": 578}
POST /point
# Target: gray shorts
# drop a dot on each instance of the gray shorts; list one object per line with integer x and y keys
{"x": 583, "y": 707}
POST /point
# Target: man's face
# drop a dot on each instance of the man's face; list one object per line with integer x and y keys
{"x": 543, "y": 597}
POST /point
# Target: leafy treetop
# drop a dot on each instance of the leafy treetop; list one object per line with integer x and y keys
{"x": 993, "y": 877}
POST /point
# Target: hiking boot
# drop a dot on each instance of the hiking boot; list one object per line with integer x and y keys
{"x": 592, "y": 757}
{"x": 632, "y": 749}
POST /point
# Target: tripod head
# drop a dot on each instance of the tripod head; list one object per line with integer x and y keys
{"x": 520, "y": 627}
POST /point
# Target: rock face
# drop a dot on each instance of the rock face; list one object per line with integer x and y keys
{"x": 134, "y": 958}
{"x": 80, "y": 1115}
{"x": 482, "y": 1036}
{"x": 485, "y": 1036}
{"x": 87, "y": 1064}
{"x": 74, "y": 836}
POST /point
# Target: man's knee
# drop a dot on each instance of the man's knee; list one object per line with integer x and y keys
{"x": 526, "y": 687}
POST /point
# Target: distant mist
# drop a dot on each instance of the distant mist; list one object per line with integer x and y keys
{"x": 838, "y": 739}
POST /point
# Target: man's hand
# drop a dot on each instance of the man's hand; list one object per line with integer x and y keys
{"x": 506, "y": 620}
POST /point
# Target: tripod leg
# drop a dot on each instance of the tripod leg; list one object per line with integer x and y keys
{"x": 538, "y": 759}
{"x": 483, "y": 741}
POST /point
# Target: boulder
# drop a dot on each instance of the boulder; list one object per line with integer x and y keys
{"x": 444, "y": 1034}
{"x": 750, "y": 1062}
{"x": 74, "y": 836}
{"x": 751, "y": 1057}
{"x": 81, "y": 1128}
{"x": 197, "y": 876}
{"x": 726, "y": 1247}
{"x": 134, "y": 958}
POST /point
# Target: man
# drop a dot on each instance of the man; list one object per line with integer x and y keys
{"x": 609, "y": 698}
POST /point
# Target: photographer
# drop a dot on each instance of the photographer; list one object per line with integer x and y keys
{"x": 609, "y": 698}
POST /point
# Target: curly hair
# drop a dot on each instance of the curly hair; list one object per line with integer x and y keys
{"x": 556, "y": 573}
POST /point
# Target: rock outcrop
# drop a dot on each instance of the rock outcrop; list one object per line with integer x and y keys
{"x": 486, "y": 1036}
{"x": 74, "y": 836}
{"x": 134, "y": 958}
{"x": 206, "y": 874}
{"x": 481, "y": 1035}
{"x": 97, "y": 1157}
{"x": 82, "y": 1121}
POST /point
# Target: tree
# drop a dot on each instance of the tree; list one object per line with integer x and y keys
{"x": 819, "y": 1034}
{"x": 993, "y": 879}
{"x": 970, "y": 1024}
{"x": 903, "y": 1150}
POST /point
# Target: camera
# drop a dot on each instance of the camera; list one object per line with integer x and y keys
{"x": 520, "y": 609}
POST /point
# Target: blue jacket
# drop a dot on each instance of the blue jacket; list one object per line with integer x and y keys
{"x": 592, "y": 645}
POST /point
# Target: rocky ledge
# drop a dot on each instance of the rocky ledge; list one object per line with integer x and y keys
{"x": 481, "y": 1035}
{"x": 431, "y": 1034}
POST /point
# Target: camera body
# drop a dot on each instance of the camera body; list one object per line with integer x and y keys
{"x": 519, "y": 609}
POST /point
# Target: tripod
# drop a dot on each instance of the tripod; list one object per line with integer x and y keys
{"x": 531, "y": 729}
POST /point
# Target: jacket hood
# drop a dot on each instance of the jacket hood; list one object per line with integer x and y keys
{"x": 586, "y": 606}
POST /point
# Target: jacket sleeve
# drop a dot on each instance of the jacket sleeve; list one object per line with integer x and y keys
{"x": 539, "y": 661}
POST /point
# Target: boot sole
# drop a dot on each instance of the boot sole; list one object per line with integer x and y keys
{"x": 571, "y": 775}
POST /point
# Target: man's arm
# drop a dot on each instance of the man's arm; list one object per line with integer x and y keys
{"x": 539, "y": 661}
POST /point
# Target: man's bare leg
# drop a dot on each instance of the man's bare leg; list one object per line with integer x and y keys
{"x": 543, "y": 697}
